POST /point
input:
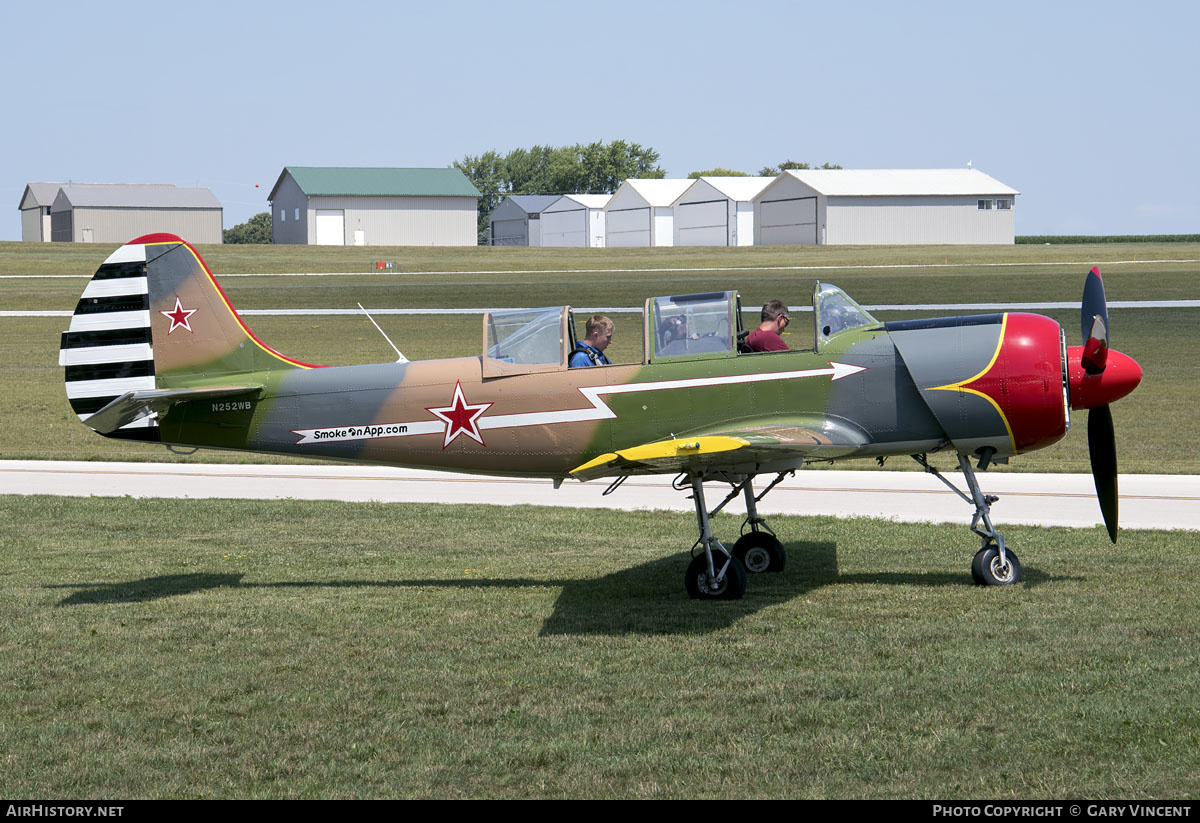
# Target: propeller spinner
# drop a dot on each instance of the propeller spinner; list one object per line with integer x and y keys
{"x": 1098, "y": 376}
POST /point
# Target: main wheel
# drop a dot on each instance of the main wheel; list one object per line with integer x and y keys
{"x": 988, "y": 570}
{"x": 760, "y": 552}
{"x": 700, "y": 585}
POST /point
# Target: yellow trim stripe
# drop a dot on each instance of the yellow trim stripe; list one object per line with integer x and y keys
{"x": 962, "y": 385}
{"x": 668, "y": 449}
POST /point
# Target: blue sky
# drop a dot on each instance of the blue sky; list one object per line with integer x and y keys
{"x": 1090, "y": 110}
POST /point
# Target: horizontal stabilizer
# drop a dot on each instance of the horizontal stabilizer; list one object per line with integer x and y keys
{"x": 134, "y": 405}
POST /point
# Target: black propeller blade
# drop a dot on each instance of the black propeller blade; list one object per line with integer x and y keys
{"x": 1102, "y": 451}
{"x": 1102, "y": 441}
{"x": 1094, "y": 304}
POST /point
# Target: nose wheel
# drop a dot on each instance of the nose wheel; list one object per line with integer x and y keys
{"x": 989, "y": 568}
{"x": 994, "y": 564}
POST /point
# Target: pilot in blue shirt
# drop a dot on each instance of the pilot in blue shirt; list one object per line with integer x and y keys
{"x": 590, "y": 350}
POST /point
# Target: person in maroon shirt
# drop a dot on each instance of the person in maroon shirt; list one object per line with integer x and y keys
{"x": 774, "y": 320}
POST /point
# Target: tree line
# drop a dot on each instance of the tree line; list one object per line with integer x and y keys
{"x": 594, "y": 168}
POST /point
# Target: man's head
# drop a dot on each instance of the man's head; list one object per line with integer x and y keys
{"x": 774, "y": 316}
{"x": 599, "y": 330}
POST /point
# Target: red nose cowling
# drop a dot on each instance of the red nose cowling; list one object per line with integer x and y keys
{"x": 1121, "y": 375}
{"x": 1024, "y": 381}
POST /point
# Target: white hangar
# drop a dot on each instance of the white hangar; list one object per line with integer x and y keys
{"x": 517, "y": 220}
{"x": 339, "y": 206}
{"x": 119, "y": 212}
{"x": 884, "y": 206}
{"x": 575, "y": 220}
{"x": 640, "y": 213}
{"x": 718, "y": 211}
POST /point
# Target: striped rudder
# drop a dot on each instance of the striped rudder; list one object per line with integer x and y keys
{"x": 154, "y": 325}
{"x": 107, "y": 351}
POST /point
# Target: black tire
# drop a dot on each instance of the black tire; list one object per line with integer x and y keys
{"x": 976, "y": 577}
{"x": 987, "y": 570}
{"x": 760, "y": 552}
{"x": 732, "y": 587}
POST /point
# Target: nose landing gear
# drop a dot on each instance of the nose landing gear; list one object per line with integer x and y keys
{"x": 994, "y": 564}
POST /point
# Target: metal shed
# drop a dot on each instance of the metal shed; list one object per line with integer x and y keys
{"x": 640, "y": 212}
{"x": 575, "y": 220}
{"x": 884, "y": 206}
{"x": 341, "y": 206}
{"x": 718, "y": 211}
{"x": 35, "y": 205}
{"x": 517, "y": 220}
{"x": 119, "y": 212}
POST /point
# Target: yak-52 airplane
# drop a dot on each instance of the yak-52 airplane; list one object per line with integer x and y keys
{"x": 155, "y": 352}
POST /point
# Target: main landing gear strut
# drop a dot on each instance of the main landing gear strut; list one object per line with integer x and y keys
{"x": 717, "y": 573}
{"x": 994, "y": 563}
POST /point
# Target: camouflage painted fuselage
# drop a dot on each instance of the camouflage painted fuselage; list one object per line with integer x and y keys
{"x": 155, "y": 352}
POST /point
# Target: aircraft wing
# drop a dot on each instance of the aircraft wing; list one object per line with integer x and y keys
{"x": 733, "y": 449}
{"x": 134, "y": 405}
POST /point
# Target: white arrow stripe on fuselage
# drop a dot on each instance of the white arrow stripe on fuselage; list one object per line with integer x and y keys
{"x": 598, "y": 410}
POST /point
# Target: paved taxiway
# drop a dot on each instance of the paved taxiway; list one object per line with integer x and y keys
{"x": 1146, "y": 501}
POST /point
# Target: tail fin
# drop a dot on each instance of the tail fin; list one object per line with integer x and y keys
{"x": 153, "y": 322}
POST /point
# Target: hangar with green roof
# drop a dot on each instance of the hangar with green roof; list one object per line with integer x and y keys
{"x": 343, "y": 206}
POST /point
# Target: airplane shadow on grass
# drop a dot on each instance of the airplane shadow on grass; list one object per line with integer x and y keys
{"x": 643, "y": 599}
{"x": 632, "y": 601}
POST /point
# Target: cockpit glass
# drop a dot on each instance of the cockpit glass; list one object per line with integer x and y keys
{"x": 692, "y": 324}
{"x": 836, "y": 312}
{"x": 530, "y": 336}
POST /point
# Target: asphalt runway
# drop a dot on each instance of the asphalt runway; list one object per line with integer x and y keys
{"x": 1146, "y": 501}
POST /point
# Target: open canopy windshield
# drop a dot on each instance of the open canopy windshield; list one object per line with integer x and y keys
{"x": 835, "y": 312}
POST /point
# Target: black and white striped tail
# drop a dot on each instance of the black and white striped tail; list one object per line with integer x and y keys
{"x": 107, "y": 351}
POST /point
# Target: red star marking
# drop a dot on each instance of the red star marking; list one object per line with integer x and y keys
{"x": 179, "y": 316}
{"x": 461, "y": 417}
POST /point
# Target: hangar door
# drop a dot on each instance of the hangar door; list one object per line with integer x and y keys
{"x": 565, "y": 228}
{"x": 705, "y": 223}
{"x": 508, "y": 233}
{"x": 628, "y": 227}
{"x": 331, "y": 227}
{"x": 793, "y": 220}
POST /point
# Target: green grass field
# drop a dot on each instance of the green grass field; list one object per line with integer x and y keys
{"x": 165, "y": 648}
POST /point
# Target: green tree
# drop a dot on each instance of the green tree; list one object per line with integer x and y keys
{"x": 696, "y": 175}
{"x": 603, "y": 168}
{"x": 595, "y": 168}
{"x": 487, "y": 172}
{"x": 255, "y": 230}
{"x": 775, "y": 171}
